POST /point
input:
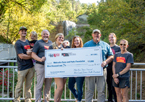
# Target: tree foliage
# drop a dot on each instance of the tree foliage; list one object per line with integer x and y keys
{"x": 35, "y": 15}
{"x": 126, "y": 18}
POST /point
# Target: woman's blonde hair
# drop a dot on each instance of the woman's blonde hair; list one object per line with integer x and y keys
{"x": 81, "y": 42}
{"x": 57, "y": 35}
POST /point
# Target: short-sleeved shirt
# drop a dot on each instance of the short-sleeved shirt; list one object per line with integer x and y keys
{"x": 121, "y": 61}
{"x": 106, "y": 50}
{"x": 115, "y": 49}
{"x": 32, "y": 43}
{"x": 21, "y": 48}
{"x": 39, "y": 48}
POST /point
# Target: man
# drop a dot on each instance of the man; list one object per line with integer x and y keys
{"x": 25, "y": 66}
{"x": 107, "y": 57}
{"x": 38, "y": 54}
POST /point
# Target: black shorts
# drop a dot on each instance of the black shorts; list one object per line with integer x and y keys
{"x": 123, "y": 82}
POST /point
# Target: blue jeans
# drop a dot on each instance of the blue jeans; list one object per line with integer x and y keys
{"x": 79, "y": 81}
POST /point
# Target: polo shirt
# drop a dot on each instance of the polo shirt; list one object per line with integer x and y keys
{"x": 106, "y": 50}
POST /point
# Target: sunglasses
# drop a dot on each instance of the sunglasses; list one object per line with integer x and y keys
{"x": 122, "y": 44}
{"x": 61, "y": 38}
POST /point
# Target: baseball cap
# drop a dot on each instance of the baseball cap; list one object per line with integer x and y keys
{"x": 96, "y": 30}
{"x": 22, "y": 27}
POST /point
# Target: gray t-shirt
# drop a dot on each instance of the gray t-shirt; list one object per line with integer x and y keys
{"x": 114, "y": 49}
{"x": 22, "y": 47}
{"x": 40, "y": 47}
{"x": 121, "y": 62}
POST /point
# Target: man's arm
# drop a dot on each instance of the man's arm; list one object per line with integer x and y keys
{"x": 108, "y": 60}
{"x": 24, "y": 56}
{"x": 38, "y": 58}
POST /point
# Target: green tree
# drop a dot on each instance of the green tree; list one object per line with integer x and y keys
{"x": 35, "y": 15}
{"x": 123, "y": 17}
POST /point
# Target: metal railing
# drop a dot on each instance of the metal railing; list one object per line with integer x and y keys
{"x": 8, "y": 80}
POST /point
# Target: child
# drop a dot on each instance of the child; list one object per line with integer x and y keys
{"x": 66, "y": 44}
{"x": 33, "y": 37}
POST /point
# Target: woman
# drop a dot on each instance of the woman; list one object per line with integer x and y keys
{"x": 76, "y": 43}
{"x": 121, "y": 65}
{"x": 115, "y": 48}
{"x": 60, "y": 82}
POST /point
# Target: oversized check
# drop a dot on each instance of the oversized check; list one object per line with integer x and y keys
{"x": 73, "y": 62}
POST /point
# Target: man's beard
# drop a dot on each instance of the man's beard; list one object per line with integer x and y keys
{"x": 45, "y": 38}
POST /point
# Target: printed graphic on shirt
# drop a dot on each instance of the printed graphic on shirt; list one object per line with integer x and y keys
{"x": 113, "y": 51}
{"x": 31, "y": 44}
{"x": 121, "y": 59}
{"x": 46, "y": 47}
{"x": 27, "y": 47}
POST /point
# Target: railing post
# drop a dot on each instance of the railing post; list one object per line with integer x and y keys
{"x": 131, "y": 86}
{"x": 140, "y": 85}
{"x": 136, "y": 87}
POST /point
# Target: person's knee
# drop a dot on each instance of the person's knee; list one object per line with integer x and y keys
{"x": 70, "y": 86}
{"x": 90, "y": 91}
{"x": 101, "y": 90}
{"x": 118, "y": 93}
{"x": 80, "y": 90}
{"x": 124, "y": 95}
{"x": 100, "y": 93}
{"x": 60, "y": 88}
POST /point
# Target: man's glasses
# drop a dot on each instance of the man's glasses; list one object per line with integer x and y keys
{"x": 122, "y": 44}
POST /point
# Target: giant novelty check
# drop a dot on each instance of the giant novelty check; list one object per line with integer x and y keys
{"x": 73, "y": 62}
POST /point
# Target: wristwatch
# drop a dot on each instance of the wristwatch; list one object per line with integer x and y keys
{"x": 118, "y": 74}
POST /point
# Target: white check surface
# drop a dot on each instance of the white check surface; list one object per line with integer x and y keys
{"x": 73, "y": 62}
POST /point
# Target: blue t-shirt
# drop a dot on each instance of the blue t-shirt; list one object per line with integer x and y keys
{"x": 21, "y": 47}
{"x": 106, "y": 50}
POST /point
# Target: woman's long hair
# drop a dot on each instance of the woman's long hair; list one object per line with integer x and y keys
{"x": 81, "y": 42}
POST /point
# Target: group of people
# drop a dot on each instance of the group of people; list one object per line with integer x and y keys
{"x": 116, "y": 64}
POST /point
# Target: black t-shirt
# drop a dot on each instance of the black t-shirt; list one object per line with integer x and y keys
{"x": 114, "y": 49}
{"x": 32, "y": 43}
{"x": 39, "y": 48}
{"x": 121, "y": 62}
{"x": 21, "y": 47}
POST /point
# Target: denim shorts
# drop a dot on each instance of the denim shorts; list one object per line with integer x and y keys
{"x": 123, "y": 82}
